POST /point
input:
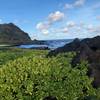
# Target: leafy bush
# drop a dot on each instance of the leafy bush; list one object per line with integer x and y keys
{"x": 9, "y": 54}
{"x": 35, "y": 77}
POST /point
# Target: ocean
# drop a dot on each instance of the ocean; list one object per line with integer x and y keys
{"x": 52, "y": 44}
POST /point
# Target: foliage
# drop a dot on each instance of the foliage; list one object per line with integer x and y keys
{"x": 34, "y": 77}
{"x": 9, "y": 54}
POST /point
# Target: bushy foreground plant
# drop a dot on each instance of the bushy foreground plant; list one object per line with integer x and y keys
{"x": 35, "y": 77}
{"x": 9, "y": 54}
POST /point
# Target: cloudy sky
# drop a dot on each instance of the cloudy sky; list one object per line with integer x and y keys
{"x": 53, "y": 19}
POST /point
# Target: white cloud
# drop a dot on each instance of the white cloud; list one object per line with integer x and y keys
{"x": 42, "y": 26}
{"x": 98, "y": 29}
{"x": 51, "y": 19}
{"x": 93, "y": 29}
{"x": 56, "y": 16}
{"x": 45, "y": 32}
{"x": 64, "y": 30}
{"x": 90, "y": 28}
{"x": 78, "y": 28}
{"x": 77, "y": 3}
{"x": 68, "y": 6}
{"x": 71, "y": 24}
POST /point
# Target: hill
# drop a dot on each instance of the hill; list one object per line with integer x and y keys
{"x": 11, "y": 34}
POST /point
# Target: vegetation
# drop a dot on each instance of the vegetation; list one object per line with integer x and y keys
{"x": 29, "y": 75}
{"x": 10, "y": 54}
{"x": 7, "y": 54}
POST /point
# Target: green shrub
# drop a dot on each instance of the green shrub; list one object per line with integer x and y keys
{"x": 10, "y": 54}
{"x": 35, "y": 77}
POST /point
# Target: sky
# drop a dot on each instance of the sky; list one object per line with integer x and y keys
{"x": 53, "y": 19}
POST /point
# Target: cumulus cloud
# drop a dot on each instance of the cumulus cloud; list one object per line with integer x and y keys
{"x": 93, "y": 29}
{"x": 64, "y": 30}
{"x": 78, "y": 27}
{"x": 77, "y": 3}
{"x": 56, "y": 16}
{"x": 51, "y": 19}
{"x": 68, "y": 6}
{"x": 90, "y": 28}
{"x": 71, "y": 24}
{"x": 45, "y": 32}
{"x": 43, "y": 27}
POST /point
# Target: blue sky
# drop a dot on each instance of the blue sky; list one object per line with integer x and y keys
{"x": 53, "y": 19}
